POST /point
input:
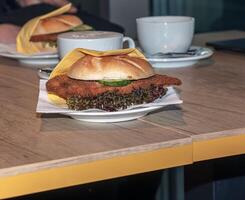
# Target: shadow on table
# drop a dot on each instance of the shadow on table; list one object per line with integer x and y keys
{"x": 142, "y": 186}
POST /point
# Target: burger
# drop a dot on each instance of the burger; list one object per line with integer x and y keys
{"x": 48, "y": 29}
{"x": 39, "y": 34}
{"x": 109, "y": 83}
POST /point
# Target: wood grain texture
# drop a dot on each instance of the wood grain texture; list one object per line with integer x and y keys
{"x": 58, "y": 177}
{"x": 202, "y": 38}
{"x": 213, "y": 111}
{"x": 30, "y": 141}
{"x": 213, "y": 92}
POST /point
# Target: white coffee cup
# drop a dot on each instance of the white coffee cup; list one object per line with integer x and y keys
{"x": 165, "y": 33}
{"x": 94, "y": 40}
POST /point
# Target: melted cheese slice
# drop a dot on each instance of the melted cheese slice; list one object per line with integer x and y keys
{"x": 65, "y": 64}
{"x": 23, "y": 44}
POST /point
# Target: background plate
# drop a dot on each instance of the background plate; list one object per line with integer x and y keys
{"x": 34, "y": 60}
{"x": 203, "y": 53}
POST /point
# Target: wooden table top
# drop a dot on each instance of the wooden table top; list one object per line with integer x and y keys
{"x": 42, "y": 152}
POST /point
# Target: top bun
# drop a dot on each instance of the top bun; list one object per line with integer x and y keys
{"x": 120, "y": 67}
{"x": 57, "y": 24}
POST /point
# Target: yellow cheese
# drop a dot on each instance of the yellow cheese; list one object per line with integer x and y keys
{"x": 60, "y": 102}
{"x": 23, "y": 44}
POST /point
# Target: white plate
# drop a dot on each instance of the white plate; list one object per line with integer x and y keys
{"x": 119, "y": 116}
{"x": 95, "y": 115}
{"x": 42, "y": 59}
{"x": 35, "y": 60}
{"x": 203, "y": 53}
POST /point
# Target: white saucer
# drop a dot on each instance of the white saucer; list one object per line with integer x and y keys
{"x": 34, "y": 60}
{"x": 203, "y": 52}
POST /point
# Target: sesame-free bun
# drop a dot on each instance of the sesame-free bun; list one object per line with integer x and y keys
{"x": 57, "y": 24}
{"x": 120, "y": 67}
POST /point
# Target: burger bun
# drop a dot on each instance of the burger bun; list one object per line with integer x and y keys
{"x": 120, "y": 67}
{"x": 57, "y": 24}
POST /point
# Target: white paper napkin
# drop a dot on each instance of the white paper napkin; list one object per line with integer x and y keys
{"x": 45, "y": 106}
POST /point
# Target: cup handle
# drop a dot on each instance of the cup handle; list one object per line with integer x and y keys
{"x": 130, "y": 41}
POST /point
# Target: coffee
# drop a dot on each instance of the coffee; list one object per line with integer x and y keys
{"x": 89, "y": 35}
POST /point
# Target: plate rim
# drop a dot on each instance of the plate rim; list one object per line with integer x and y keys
{"x": 31, "y": 57}
{"x": 183, "y": 59}
{"x": 122, "y": 112}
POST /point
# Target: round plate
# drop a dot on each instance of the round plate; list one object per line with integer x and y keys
{"x": 35, "y": 60}
{"x": 203, "y": 53}
{"x": 119, "y": 116}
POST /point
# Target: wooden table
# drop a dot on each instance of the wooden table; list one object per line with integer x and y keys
{"x": 44, "y": 152}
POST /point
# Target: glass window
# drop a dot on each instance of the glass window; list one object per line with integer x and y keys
{"x": 210, "y": 15}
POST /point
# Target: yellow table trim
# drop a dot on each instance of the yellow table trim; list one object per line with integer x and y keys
{"x": 218, "y": 147}
{"x": 94, "y": 171}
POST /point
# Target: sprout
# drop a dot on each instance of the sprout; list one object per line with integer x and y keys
{"x": 114, "y": 101}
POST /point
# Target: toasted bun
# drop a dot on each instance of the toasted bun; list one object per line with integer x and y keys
{"x": 57, "y": 24}
{"x": 110, "y": 68}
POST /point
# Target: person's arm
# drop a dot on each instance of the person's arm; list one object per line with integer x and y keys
{"x": 57, "y": 3}
{"x": 21, "y": 16}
